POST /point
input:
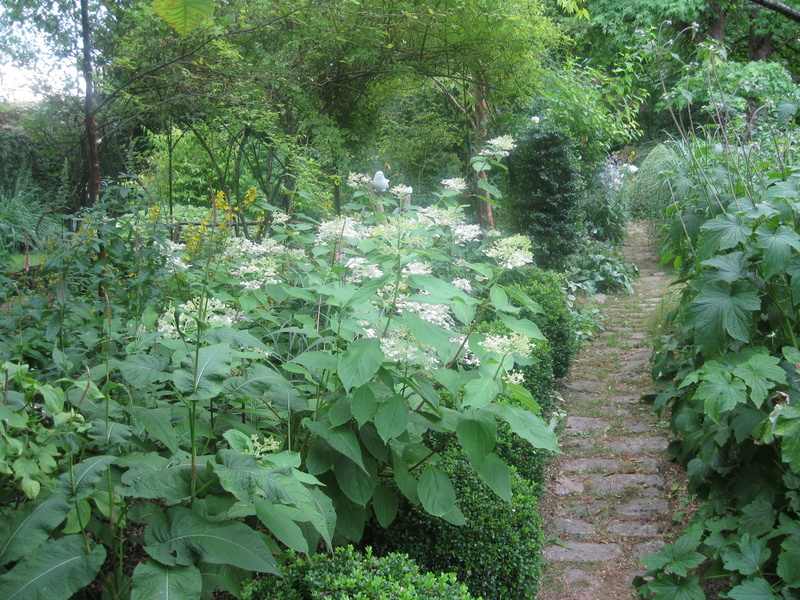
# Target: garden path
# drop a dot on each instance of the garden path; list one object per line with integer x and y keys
{"x": 612, "y": 496}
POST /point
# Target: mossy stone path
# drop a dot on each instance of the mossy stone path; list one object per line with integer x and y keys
{"x": 612, "y": 495}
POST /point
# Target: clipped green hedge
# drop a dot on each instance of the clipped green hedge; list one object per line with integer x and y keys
{"x": 546, "y": 188}
{"x": 351, "y": 575}
{"x": 496, "y": 553}
{"x": 558, "y": 323}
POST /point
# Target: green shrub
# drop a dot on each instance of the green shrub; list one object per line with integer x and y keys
{"x": 496, "y": 553}
{"x": 545, "y": 192}
{"x": 350, "y": 575}
{"x": 649, "y": 194}
{"x": 558, "y": 322}
{"x": 599, "y": 269}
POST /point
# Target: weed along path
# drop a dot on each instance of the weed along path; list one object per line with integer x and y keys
{"x": 613, "y": 497}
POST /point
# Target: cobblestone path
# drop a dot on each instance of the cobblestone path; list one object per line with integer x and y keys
{"x": 612, "y": 496}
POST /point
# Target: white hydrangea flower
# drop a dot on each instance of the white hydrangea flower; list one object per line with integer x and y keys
{"x": 431, "y": 215}
{"x": 456, "y": 184}
{"x": 357, "y": 180}
{"x": 468, "y": 357}
{"x": 360, "y": 269}
{"x": 504, "y": 143}
{"x": 257, "y": 273}
{"x": 510, "y": 252}
{"x": 216, "y": 313}
{"x": 280, "y": 218}
{"x": 400, "y": 345}
{"x": 341, "y": 228}
{"x": 239, "y": 247}
{"x": 401, "y": 191}
{"x": 535, "y": 120}
{"x": 438, "y": 314}
{"x": 417, "y": 268}
{"x": 507, "y": 344}
{"x": 517, "y": 377}
{"x": 463, "y": 284}
{"x": 466, "y": 232}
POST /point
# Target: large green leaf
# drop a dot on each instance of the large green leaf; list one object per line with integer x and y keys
{"x": 761, "y": 372}
{"x": 360, "y": 362}
{"x": 438, "y": 291}
{"x": 495, "y": 474}
{"x": 477, "y": 434}
{"x": 363, "y": 405}
{"x": 480, "y": 392}
{"x": 727, "y": 267}
{"x": 753, "y": 589}
{"x": 356, "y": 483}
{"x": 777, "y": 245}
{"x": 526, "y": 425}
{"x": 23, "y": 530}
{"x": 82, "y": 482}
{"x": 182, "y": 536}
{"x": 157, "y": 422}
{"x": 154, "y": 581}
{"x": 436, "y": 492}
{"x": 746, "y": 556}
{"x": 244, "y": 476}
{"x": 720, "y": 392}
{"x": 256, "y": 381}
{"x": 141, "y": 370}
{"x": 341, "y": 438}
{"x": 789, "y": 568}
{"x": 280, "y": 520}
{"x": 669, "y": 586}
{"x": 391, "y": 418}
{"x": 677, "y": 558}
{"x": 56, "y": 571}
{"x": 203, "y": 380}
{"x": 721, "y": 310}
{"x": 184, "y": 15}
{"x": 152, "y": 476}
{"x": 722, "y": 233}
{"x": 385, "y": 505}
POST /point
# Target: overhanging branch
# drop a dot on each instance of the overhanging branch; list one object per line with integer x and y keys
{"x": 780, "y": 8}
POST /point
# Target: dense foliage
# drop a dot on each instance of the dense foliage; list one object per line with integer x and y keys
{"x": 496, "y": 553}
{"x": 350, "y": 575}
{"x": 730, "y": 366}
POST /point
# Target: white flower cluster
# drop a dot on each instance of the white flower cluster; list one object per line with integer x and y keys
{"x": 338, "y": 229}
{"x": 257, "y": 273}
{"x": 238, "y": 247}
{"x": 507, "y": 344}
{"x": 456, "y": 184}
{"x": 468, "y": 358}
{"x": 360, "y": 269}
{"x": 174, "y": 254}
{"x": 463, "y": 284}
{"x": 510, "y": 252}
{"x": 499, "y": 146}
{"x": 401, "y": 192}
{"x": 216, "y": 313}
{"x": 417, "y": 268}
{"x": 438, "y": 314}
{"x": 517, "y": 377}
{"x": 280, "y": 218}
{"x": 358, "y": 180}
{"x": 430, "y": 215}
{"x": 465, "y": 233}
{"x": 400, "y": 345}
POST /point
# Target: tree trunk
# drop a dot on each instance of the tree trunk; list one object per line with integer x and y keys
{"x": 759, "y": 45}
{"x": 91, "y": 132}
{"x": 486, "y": 215}
{"x": 716, "y": 23}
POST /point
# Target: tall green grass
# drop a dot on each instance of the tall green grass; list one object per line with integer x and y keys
{"x": 25, "y": 217}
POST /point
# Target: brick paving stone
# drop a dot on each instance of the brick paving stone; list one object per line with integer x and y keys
{"x": 643, "y": 507}
{"x": 610, "y": 485}
{"x": 574, "y": 527}
{"x": 582, "y": 552}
